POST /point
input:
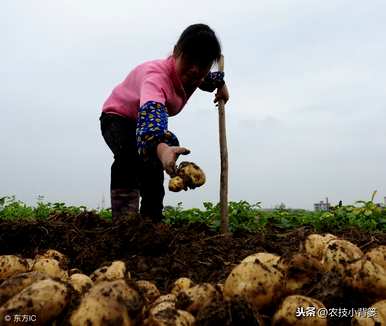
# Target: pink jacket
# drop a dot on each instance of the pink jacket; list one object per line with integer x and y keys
{"x": 155, "y": 80}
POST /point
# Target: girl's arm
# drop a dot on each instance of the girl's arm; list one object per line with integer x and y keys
{"x": 154, "y": 140}
{"x": 152, "y": 129}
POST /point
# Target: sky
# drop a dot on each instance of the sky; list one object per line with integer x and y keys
{"x": 305, "y": 119}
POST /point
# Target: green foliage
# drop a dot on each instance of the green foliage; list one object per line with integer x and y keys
{"x": 10, "y": 209}
{"x": 242, "y": 215}
{"x": 104, "y": 213}
{"x": 366, "y": 215}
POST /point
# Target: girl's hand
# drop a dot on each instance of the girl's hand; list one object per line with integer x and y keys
{"x": 168, "y": 156}
{"x": 222, "y": 94}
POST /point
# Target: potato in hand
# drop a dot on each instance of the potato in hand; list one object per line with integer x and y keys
{"x": 189, "y": 175}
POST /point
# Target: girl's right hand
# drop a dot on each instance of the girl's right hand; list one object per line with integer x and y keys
{"x": 168, "y": 156}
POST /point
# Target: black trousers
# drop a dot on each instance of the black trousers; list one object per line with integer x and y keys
{"x": 129, "y": 173}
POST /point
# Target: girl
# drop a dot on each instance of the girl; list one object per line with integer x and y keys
{"x": 134, "y": 120}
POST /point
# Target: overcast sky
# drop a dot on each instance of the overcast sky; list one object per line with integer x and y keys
{"x": 306, "y": 118}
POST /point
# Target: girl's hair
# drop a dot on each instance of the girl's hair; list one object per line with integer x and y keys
{"x": 199, "y": 45}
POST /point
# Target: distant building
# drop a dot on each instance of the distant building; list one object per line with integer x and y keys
{"x": 326, "y": 206}
{"x": 322, "y": 206}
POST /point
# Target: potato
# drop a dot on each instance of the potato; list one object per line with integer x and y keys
{"x": 195, "y": 298}
{"x": 115, "y": 271}
{"x": 187, "y": 317}
{"x": 50, "y": 267}
{"x": 45, "y": 299}
{"x": 17, "y": 283}
{"x": 286, "y": 314}
{"x": 149, "y": 290}
{"x": 181, "y": 284}
{"x": 263, "y": 257}
{"x": 108, "y": 302}
{"x": 370, "y": 279}
{"x": 99, "y": 313}
{"x": 342, "y": 257}
{"x": 257, "y": 283}
{"x": 118, "y": 290}
{"x": 165, "y": 298}
{"x": 315, "y": 244}
{"x": 301, "y": 272}
{"x": 378, "y": 319}
{"x": 378, "y": 255}
{"x": 170, "y": 317}
{"x": 11, "y": 265}
{"x": 155, "y": 309}
{"x": 81, "y": 283}
{"x": 165, "y": 314}
{"x": 188, "y": 175}
{"x": 54, "y": 254}
{"x": 176, "y": 184}
{"x": 192, "y": 175}
{"x": 74, "y": 271}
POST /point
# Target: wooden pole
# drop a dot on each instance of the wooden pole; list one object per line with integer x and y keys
{"x": 224, "y": 227}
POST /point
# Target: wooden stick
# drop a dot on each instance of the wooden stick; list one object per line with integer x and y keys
{"x": 224, "y": 227}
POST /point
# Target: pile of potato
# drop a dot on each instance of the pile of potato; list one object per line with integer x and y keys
{"x": 266, "y": 280}
{"x": 44, "y": 287}
{"x": 47, "y": 288}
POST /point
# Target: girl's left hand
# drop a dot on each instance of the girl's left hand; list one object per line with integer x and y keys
{"x": 221, "y": 94}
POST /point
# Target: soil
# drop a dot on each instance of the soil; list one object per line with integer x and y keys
{"x": 162, "y": 253}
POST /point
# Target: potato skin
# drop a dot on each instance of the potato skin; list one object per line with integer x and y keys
{"x": 118, "y": 290}
{"x": 176, "y": 184}
{"x": 165, "y": 298}
{"x": 188, "y": 175}
{"x": 81, "y": 283}
{"x": 286, "y": 314}
{"x": 192, "y": 174}
{"x": 46, "y": 299}
{"x": 258, "y": 284}
{"x": 197, "y": 297}
{"x": 170, "y": 316}
{"x": 301, "y": 272}
{"x": 315, "y": 244}
{"x": 263, "y": 257}
{"x": 164, "y": 313}
{"x": 115, "y": 271}
{"x": 11, "y": 265}
{"x": 378, "y": 319}
{"x": 181, "y": 284}
{"x": 370, "y": 279}
{"x": 149, "y": 290}
{"x": 74, "y": 271}
{"x": 343, "y": 258}
{"x": 54, "y": 254}
{"x": 100, "y": 312}
{"x": 108, "y": 302}
{"x": 17, "y": 283}
{"x": 50, "y": 267}
{"x": 377, "y": 255}
{"x": 155, "y": 309}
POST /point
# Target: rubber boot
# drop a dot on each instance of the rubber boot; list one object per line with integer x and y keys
{"x": 124, "y": 203}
